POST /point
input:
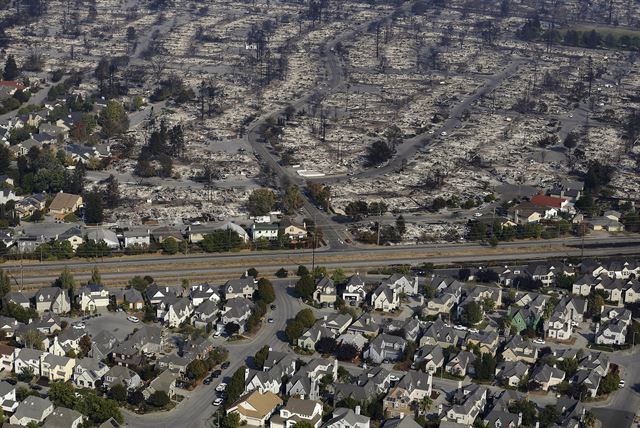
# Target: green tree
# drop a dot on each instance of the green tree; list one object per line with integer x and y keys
{"x": 118, "y": 392}
{"x": 401, "y": 225}
{"x": 302, "y": 271}
{"x": 528, "y": 410}
{"x": 306, "y": 317}
{"x": 98, "y": 409}
{"x": 294, "y": 330}
{"x": 159, "y": 399}
{"x": 170, "y": 245}
{"x": 10, "y": 68}
{"x": 609, "y": 383}
{"x": 472, "y": 313}
{"x": 113, "y": 119}
{"x": 550, "y": 415}
{"x": 261, "y": 202}
{"x": 138, "y": 283}
{"x": 112, "y": 192}
{"x": 569, "y": 366}
{"x": 292, "y": 200}
{"x": 94, "y": 209}
{"x": 266, "y": 293}
{"x": 261, "y": 357}
{"x": 96, "y": 278}
{"x": 305, "y": 287}
{"x": 62, "y": 394}
{"x": 33, "y": 339}
{"x": 197, "y": 369}
{"x": 303, "y": 424}
{"x": 5, "y": 283}
{"x": 231, "y": 420}
{"x": 338, "y": 276}
{"x": 282, "y": 273}
{"x": 236, "y": 385}
{"x": 65, "y": 280}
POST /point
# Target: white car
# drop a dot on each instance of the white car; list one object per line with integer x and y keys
{"x": 221, "y": 387}
{"x": 460, "y": 327}
{"x": 218, "y": 401}
{"x": 133, "y": 319}
{"x": 621, "y": 384}
{"x": 217, "y": 334}
{"x": 474, "y": 330}
{"x": 443, "y": 133}
{"x": 539, "y": 341}
{"x": 393, "y": 378}
{"x": 477, "y": 214}
{"x": 79, "y": 325}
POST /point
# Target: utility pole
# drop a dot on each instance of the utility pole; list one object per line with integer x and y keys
{"x": 379, "y": 220}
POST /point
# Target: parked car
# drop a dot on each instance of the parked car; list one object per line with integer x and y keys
{"x": 216, "y": 374}
{"x": 270, "y": 320}
{"x": 225, "y": 365}
{"x": 133, "y": 318}
{"x": 218, "y": 401}
{"x": 621, "y": 384}
{"x": 539, "y": 341}
{"x": 273, "y": 307}
{"x": 221, "y": 387}
{"x": 207, "y": 381}
{"x": 79, "y": 326}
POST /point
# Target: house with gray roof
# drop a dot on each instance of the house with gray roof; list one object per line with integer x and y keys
{"x": 545, "y": 377}
{"x": 298, "y": 410}
{"x": 243, "y": 287}
{"x": 474, "y": 398}
{"x": 102, "y": 344}
{"x": 365, "y": 325}
{"x": 92, "y": 297}
{"x": 404, "y": 422}
{"x": 429, "y": 356}
{"x": 236, "y": 310}
{"x": 354, "y": 290}
{"x": 325, "y": 292}
{"x": 61, "y": 417}
{"x": 52, "y": 299}
{"x": 510, "y": 373}
{"x": 346, "y": 418}
{"x": 27, "y": 359}
{"x": 461, "y": 364}
{"x": 200, "y": 293}
{"x": 165, "y": 382}
{"x": 122, "y": 375}
{"x": 8, "y": 400}
{"x": 88, "y": 372}
{"x": 207, "y": 312}
{"x": 402, "y": 284}
{"x": 17, "y": 298}
{"x": 502, "y": 419}
{"x": 385, "y": 299}
{"x": 385, "y": 347}
{"x": 32, "y": 409}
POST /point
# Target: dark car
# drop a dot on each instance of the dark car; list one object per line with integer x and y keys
{"x": 35, "y": 387}
{"x": 207, "y": 381}
{"x": 225, "y": 365}
{"x": 273, "y": 307}
{"x": 11, "y": 381}
{"x": 216, "y": 374}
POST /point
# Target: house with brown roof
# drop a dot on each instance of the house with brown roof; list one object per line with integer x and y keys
{"x": 255, "y": 407}
{"x": 63, "y": 204}
{"x": 298, "y": 410}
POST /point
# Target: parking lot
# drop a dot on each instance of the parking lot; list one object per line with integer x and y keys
{"x": 114, "y": 322}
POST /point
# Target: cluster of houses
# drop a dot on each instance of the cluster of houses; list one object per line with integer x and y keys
{"x": 557, "y": 202}
{"x": 63, "y": 204}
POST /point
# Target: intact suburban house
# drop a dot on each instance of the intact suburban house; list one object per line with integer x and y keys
{"x": 297, "y": 410}
{"x": 64, "y": 204}
{"x": 197, "y": 232}
{"x": 545, "y": 377}
{"x": 385, "y": 347}
{"x": 107, "y": 236}
{"x": 347, "y": 418}
{"x": 473, "y": 399}
{"x": 461, "y": 364}
{"x": 8, "y": 400}
{"x": 255, "y": 408}
{"x": 55, "y": 367}
{"x": 431, "y": 356}
{"x": 88, "y": 373}
{"x": 122, "y": 375}
{"x": 165, "y": 382}
{"x": 73, "y": 236}
{"x": 293, "y": 230}
{"x": 137, "y": 236}
{"x": 159, "y": 234}
{"x": 517, "y": 349}
{"x": 511, "y": 373}
{"x": 266, "y": 230}
{"x": 385, "y": 299}
{"x": 32, "y": 409}
{"x": 402, "y": 284}
{"x": 92, "y": 297}
{"x": 325, "y": 292}
{"x": 52, "y": 299}
{"x": 354, "y": 289}
{"x": 237, "y": 311}
{"x": 243, "y": 287}
{"x": 527, "y": 212}
{"x": 558, "y": 327}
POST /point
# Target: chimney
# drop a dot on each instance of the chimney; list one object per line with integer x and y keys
{"x": 357, "y": 410}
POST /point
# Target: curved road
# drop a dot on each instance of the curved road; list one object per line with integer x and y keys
{"x": 197, "y": 410}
